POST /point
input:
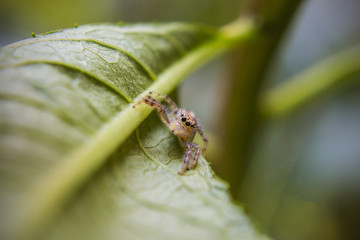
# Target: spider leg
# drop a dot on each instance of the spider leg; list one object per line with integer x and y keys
{"x": 173, "y": 106}
{"x": 205, "y": 139}
{"x": 188, "y": 147}
{"x": 196, "y": 156}
{"x": 155, "y": 104}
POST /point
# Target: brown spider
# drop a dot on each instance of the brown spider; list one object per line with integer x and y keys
{"x": 182, "y": 123}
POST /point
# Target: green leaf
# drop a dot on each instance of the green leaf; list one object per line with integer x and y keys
{"x": 66, "y": 107}
{"x": 139, "y": 195}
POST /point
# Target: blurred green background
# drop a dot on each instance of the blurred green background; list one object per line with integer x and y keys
{"x": 302, "y": 177}
{"x": 21, "y": 17}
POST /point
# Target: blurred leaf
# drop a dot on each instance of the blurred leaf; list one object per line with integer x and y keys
{"x": 65, "y": 109}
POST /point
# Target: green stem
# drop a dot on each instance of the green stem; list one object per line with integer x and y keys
{"x": 248, "y": 69}
{"x": 311, "y": 83}
{"x": 77, "y": 167}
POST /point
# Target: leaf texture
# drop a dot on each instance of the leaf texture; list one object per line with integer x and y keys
{"x": 139, "y": 195}
{"x": 64, "y": 90}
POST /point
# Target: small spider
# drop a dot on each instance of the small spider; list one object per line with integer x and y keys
{"x": 182, "y": 123}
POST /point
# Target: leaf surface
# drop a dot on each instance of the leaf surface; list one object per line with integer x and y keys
{"x": 66, "y": 107}
{"x": 139, "y": 195}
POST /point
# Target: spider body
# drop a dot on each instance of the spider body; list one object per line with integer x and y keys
{"x": 182, "y": 123}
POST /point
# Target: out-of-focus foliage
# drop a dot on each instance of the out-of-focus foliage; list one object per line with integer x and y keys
{"x": 18, "y": 18}
{"x": 303, "y": 179}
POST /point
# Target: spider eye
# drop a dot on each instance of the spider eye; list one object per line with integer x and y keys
{"x": 183, "y": 119}
{"x": 187, "y": 123}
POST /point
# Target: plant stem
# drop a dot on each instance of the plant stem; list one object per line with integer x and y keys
{"x": 248, "y": 68}
{"x": 311, "y": 83}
